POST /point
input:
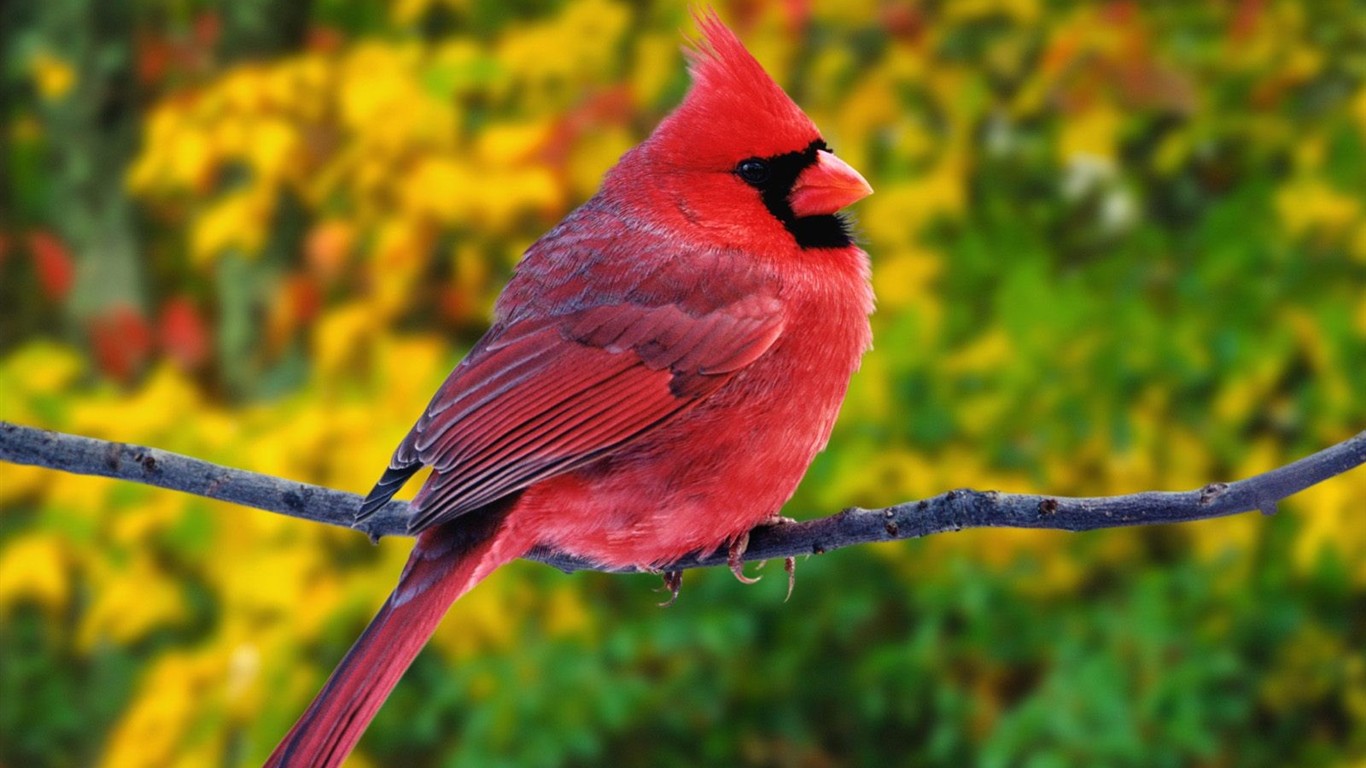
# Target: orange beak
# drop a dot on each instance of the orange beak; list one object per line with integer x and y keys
{"x": 826, "y": 187}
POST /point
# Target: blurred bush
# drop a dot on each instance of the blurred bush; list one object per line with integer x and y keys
{"x": 1118, "y": 246}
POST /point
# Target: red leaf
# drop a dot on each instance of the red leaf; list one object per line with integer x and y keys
{"x": 324, "y": 39}
{"x": 456, "y": 305}
{"x": 121, "y": 341}
{"x": 184, "y": 337}
{"x": 206, "y": 29}
{"x": 297, "y": 302}
{"x": 903, "y": 22}
{"x": 52, "y": 263}
{"x": 798, "y": 14}
{"x": 1246, "y": 18}
{"x": 305, "y": 298}
{"x": 154, "y": 56}
{"x": 327, "y": 248}
{"x": 1120, "y": 12}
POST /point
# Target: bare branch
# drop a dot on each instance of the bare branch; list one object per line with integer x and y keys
{"x": 950, "y": 511}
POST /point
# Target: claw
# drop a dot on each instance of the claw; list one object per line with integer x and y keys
{"x": 673, "y": 581}
{"x": 737, "y": 566}
{"x": 789, "y": 563}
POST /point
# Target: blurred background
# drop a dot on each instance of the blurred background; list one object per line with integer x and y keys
{"x": 1118, "y": 246}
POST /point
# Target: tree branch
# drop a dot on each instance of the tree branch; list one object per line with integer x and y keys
{"x": 950, "y": 511}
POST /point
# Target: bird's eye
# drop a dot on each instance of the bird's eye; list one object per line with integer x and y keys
{"x": 754, "y": 171}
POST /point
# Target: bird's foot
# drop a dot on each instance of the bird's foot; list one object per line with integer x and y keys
{"x": 673, "y": 581}
{"x": 789, "y": 563}
{"x": 737, "y": 566}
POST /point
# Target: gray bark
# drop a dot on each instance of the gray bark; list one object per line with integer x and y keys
{"x": 951, "y": 511}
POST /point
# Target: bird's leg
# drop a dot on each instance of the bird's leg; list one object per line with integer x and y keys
{"x": 673, "y": 581}
{"x": 789, "y": 563}
{"x": 737, "y": 566}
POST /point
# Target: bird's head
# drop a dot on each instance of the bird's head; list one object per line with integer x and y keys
{"x": 738, "y": 162}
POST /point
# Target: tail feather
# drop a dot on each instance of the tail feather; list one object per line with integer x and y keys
{"x": 445, "y": 563}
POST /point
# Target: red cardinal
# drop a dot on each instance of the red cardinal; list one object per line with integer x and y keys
{"x": 660, "y": 373}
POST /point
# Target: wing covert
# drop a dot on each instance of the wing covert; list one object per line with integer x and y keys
{"x": 535, "y": 400}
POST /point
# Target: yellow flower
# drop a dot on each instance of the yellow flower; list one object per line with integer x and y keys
{"x": 52, "y": 76}
{"x": 283, "y": 581}
{"x": 656, "y": 63}
{"x": 304, "y": 86}
{"x": 191, "y": 160}
{"x": 130, "y": 603}
{"x": 584, "y": 38}
{"x": 904, "y": 276}
{"x": 444, "y": 188}
{"x": 410, "y": 369}
{"x": 1311, "y": 205}
{"x": 593, "y": 154}
{"x": 1021, "y": 11}
{"x": 400, "y": 253}
{"x": 235, "y": 221}
{"x": 897, "y": 214}
{"x": 154, "y": 512}
{"x": 37, "y": 368}
{"x": 385, "y": 105}
{"x": 157, "y": 408}
{"x": 1093, "y": 133}
{"x": 274, "y": 148}
{"x": 342, "y": 334}
{"x": 565, "y": 612}
{"x": 158, "y": 729}
{"x": 408, "y": 11}
{"x": 1334, "y": 524}
{"x": 35, "y": 567}
{"x": 23, "y": 481}
{"x": 506, "y": 144}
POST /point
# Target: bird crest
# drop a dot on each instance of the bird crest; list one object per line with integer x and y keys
{"x": 733, "y": 101}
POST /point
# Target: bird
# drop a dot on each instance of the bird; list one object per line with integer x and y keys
{"x": 660, "y": 371}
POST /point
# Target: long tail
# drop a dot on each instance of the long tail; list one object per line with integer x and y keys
{"x": 445, "y": 563}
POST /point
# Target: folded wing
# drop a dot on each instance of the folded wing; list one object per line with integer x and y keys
{"x": 537, "y": 399}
